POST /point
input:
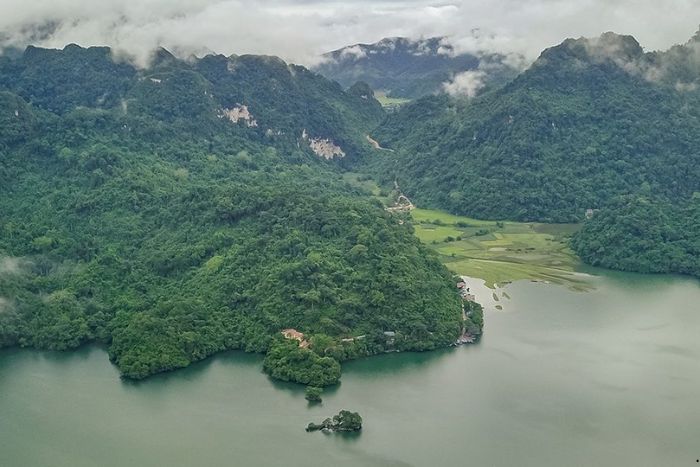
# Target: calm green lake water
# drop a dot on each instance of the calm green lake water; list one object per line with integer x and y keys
{"x": 609, "y": 377}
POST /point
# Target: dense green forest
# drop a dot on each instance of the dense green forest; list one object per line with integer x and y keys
{"x": 133, "y": 214}
{"x": 181, "y": 210}
{"x": 282, "y": 100}
{"x": 644, "y": 235}
{"x": 590, "y": 120}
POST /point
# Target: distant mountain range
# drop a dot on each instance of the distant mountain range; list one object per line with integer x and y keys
{"x": 405, "y": 68}
{"x": 262, "y": 96}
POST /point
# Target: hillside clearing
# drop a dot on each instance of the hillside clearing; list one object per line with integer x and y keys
{"x": 391, "y": 102}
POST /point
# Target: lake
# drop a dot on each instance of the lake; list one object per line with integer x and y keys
{"x": 607, "y": 377}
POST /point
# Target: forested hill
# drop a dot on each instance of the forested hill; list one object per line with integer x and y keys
{"x": 590, "y": 120}
{"x": 407, "y": 68}
{"x": 643, "y": 234}
{"x": 136, "y": 214}
{"x": 265, "y": 98}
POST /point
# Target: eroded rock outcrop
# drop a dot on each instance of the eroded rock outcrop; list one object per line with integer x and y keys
{"x": 323, "y": 147}
{"x": 239, "y": 113}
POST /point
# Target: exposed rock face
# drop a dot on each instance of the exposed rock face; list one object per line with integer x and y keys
{"x": 296, "y": 335}
{"x": 324, "y": 147}
{"x": 237, "y": 113}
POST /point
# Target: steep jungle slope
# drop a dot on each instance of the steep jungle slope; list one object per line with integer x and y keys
{"x": 591, "y": 120}
{"x": 265, "y": 98}
{"x": 142, "y": 210}
{"x": 643, "y": 234}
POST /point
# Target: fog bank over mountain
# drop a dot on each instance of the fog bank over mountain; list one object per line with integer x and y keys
{"x": 300, "y": 31}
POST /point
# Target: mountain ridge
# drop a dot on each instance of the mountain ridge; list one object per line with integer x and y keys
{"x": 408, "y": 68}
{"x": 473, "y": 156}
{"x": 270, "y": 90}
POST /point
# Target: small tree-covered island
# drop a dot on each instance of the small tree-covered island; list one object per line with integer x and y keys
{"x": 194, "y": 207}
{"x": 313, "y": 394}
{"x": 345, "y": 421}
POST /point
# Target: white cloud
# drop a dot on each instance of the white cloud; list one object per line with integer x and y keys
{"x": 11, "y": 265}
{"x": 466, "y": 84}
{"x": 300, "y": 30}
{"x": 355, "y": 52}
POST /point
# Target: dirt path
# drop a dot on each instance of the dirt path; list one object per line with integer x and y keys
{"x": 375, "y": 144}
{"x": 402, "y": 204}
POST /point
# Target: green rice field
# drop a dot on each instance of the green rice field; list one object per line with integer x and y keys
{"x": 390, "y": 101}
{"x": 497, "y": 252}
{"x": 501, "y": 252}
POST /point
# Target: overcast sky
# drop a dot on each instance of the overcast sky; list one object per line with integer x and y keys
{"x": 299, "y": 30}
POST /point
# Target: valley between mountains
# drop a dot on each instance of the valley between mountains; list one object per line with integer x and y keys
{"x": 196, "y": 206}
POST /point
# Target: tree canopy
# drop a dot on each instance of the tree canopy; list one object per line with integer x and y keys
{"x": 591, "y": 120}
{"x": 644, "y": 235}
{"x": 136, "y": 214}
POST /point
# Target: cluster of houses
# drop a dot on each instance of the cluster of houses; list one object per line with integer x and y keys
{"x": 464, "y": 292}
{"x": 467, "y": 296}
